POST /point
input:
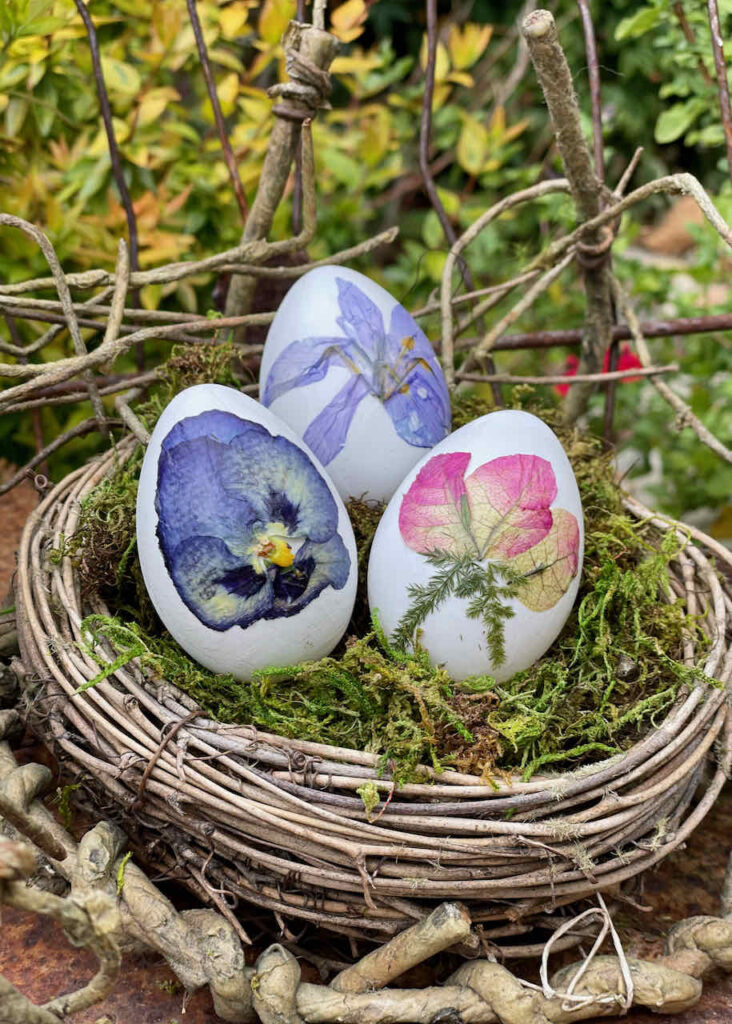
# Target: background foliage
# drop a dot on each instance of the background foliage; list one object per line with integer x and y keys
{"x": 490, "y": 136}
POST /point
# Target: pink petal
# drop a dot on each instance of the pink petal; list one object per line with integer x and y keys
{"x": 430, "y": 513}
{"x": 509, "y": 504}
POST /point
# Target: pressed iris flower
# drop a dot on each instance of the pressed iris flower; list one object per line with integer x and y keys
{"x": 247, "y": 526}
{"x": 397, "y": 366}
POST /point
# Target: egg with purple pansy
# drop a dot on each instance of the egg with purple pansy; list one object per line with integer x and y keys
{"x": 245, "y": 546}
{"x": 479, "y": 552}
{"x": 348, "y": 368}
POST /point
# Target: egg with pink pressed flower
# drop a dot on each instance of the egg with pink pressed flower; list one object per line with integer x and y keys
{"x": 479, "y": 552}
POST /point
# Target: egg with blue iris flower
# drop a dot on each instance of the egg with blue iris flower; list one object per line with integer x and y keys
{"x": 349, "y": 369}
{"x": 245, "y": 546}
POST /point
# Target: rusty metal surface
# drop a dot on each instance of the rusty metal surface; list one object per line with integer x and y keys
{"x": 36, "y": 957}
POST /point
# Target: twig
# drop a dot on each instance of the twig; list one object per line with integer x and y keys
{"x": 36, "y": 414}
{"x": 319, "y": 8}
{"x": 216, "y": 106}
{"x": 122, "y": 405}
{"x": 309, "y": 51}
{"x": 354, "y": 251}
{"x": 43, "y": 316}
{"x": 621, "y": 332}
{"x": 487, "y": 343}
{"x": 114, "y": 154}
{"x": 86, "y": 427}
{"x": 571, "y": 378}
{"x": 433, "y": 306}
{"x": 593, "y": 73}
{"x": 64, "y": 295}
{"x": 628, "y": 172}
{"x": 468, "y": 236}
{"x": 593, "y": 246}
{"x": 671, "y": 184}
{"x": 447, "y": 925}
{"x": 49, "y": 336}
{"x": 720, "y": 67}
{"x": 678, "y": 9}
{"x": 425, "y": 140}
{"x": 64, "y": 369}
{"x": 425, "y": 134}
{"x": 685, "y": 417}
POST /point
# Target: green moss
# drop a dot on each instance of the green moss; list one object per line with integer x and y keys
{"x": 613, "y": 673}
{"x": 121, "y": 871}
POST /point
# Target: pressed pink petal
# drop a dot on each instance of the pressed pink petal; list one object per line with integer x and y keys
{"x": 518, "y": 532}
{"x": 509, "y": 504}
{"x": 430, "y": 515}
{"x": 550, "y": 566}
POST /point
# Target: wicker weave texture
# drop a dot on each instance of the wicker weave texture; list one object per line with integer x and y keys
{"x": 235, "y": 812}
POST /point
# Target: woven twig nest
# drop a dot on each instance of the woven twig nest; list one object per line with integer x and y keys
{"x": 277, "y": 822}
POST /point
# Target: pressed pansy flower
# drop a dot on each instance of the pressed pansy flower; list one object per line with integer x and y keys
{"x": 394, "y": 364}
{"x": 247, "y": 526}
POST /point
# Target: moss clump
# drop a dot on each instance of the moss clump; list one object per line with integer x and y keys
{"x": 614, "y": 672}
{"x": 370, "y": 698}
{"x": 104, "y": 545}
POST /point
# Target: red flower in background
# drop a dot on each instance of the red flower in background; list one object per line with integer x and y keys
{"x": 627, "y": 360}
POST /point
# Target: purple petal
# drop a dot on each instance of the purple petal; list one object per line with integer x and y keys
{"x": 303, "y": 362}
{"x": 327, "y": 433}
{"x": 403, "y": 326}
{"x": 360, "y": 318}
{"x": 420, "y": 409}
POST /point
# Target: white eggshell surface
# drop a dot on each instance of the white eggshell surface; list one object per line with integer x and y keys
{"x": 245, "y": 545}
{"x": 503, "y": 489}
{"x": 352, "y": 373}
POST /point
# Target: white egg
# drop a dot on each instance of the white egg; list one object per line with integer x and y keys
{"x": 352, "y": 373}
{"x": 499, "y": 490}
{"x": 245, "y": 545}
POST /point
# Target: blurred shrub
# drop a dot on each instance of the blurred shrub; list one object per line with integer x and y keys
{"x": 488, "y": 139}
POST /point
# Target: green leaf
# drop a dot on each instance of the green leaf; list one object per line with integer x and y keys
{"x": 676, "y": 121}
{"x": 638, "y": 24}
{"x": 15, "y": 113}
{"x": 473, "y": 146}
{"x": 432, "y": 233}
{"x": 120, "y": 77}
{"x": 121, "y": 871}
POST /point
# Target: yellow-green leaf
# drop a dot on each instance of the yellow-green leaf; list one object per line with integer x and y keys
{"x": 99, "y": 145}
{"x": 347, "y": 20}
{"x": 551, "y": 565}
{"x": 151, "y": 295}
{"x": 120, "y": 76}
{"x": 355, "y": 64}
{"x": 442, "y": 60}
{"x": 15, "y": 113}
{"x": 227, "y": 90}
{"x": 375, "y": 143}
{"x": 154, "y": 103}
{"x": 473, "y": 146}
{"x": 274, "y": 19}
{"x": 233, "y": 19}
{"x": 468, "y": 44}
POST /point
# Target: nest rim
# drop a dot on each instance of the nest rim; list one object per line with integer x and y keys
{"x": 283, "y": 827}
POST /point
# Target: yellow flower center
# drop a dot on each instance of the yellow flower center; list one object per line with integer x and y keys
{"x": 271, "y": 547}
